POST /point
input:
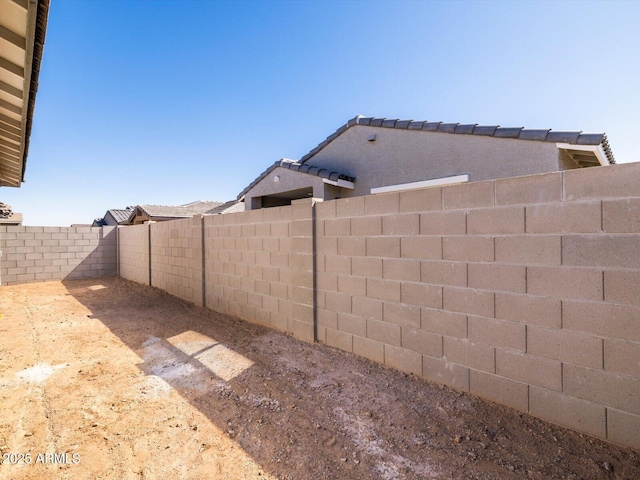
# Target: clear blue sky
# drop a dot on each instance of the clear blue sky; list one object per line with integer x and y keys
{"x": 167, "y": 102}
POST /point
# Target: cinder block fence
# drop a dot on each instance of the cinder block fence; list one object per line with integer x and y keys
{"x": 35, "y": 254}
{"x": 524, "y": 291}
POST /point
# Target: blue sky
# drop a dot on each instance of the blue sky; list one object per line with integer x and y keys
{"x": 168, "y": 102}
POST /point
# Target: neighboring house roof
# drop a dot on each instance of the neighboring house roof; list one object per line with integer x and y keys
{"x": 519, "y": 133}
{"x": 23, "y": 26}
{"x": 119, "y": 215}
{"x": 232, "y": 206}
{"x": 166, "y": 211}
{"x": 201, "y": 206}
{"x": 298, "y": 167}
{"x": 13, "y": 219}
{"x": 5, "y": 210}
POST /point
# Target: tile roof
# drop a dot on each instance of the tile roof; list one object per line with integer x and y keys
{"x": 520, "y": 133}
{"x": 180, "y": 211}
{"x": 298, "y": 167}
{"x": 231, "y": 206}
{"x": 119, "y": 215}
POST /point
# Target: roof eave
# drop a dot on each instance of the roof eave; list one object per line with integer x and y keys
{"x": 39, "y": 30}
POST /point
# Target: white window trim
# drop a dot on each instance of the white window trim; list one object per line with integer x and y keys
{"x": 435, "y": 182}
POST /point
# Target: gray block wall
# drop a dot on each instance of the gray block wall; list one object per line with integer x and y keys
{"x": 133, "y": 253}
{"x": 33, "y": 254}
{"x": 524, "y": 291}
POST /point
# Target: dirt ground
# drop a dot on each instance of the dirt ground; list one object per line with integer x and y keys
{"x": 114, "y": 380}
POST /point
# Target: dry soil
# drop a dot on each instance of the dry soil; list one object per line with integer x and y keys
{"x": 114, "y": 380}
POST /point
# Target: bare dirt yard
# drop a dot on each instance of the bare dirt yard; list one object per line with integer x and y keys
{"x": 107, "y": 379}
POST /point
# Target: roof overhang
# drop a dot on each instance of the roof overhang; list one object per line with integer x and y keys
{"x": 585, "y": 155}
{"x": 22, "y": 32}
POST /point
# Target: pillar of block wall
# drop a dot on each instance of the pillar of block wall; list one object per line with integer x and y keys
{"x": 525, "y": 291}
{"x": 133, "y": 253}
{"x": 176, "y": 258}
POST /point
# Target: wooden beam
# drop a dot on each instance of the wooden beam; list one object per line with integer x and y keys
{"x": 14, "y": 38}
{"x": 11, "y": 107}
{"x": 22, "y": 3}
{"x": 8, "y": 128}
{"x": 9, "y": 153}
{"x": 10, "y": 136}
{"x": 16, "y": 92}
{"x": 10, "y": 145}
{"x": 12, "y": 67}
{"x": 10, "y": 121}
{"x": 9, "y": 169}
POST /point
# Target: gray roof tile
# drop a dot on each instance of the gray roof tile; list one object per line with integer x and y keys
{"x": 447, "y": 127}
{"x": 389, "y": 123}
{"x": 232, "y": 206}
{"x": 510, "y": 132}
{"x": 487, "y": 130}
{"x": 403, "y": 124}
{"x": 563, "y": 137}
{"x": 465, "y": 129}
{"x": 526, "y": 134}
{"x": 590, "y": 139}
{"x": 364, "y": 120}
{"x": 376, "y": 122}
{"x": 431, "y": 126}
{"x": 415, "y": 125}
{"x": 119, "y": 215}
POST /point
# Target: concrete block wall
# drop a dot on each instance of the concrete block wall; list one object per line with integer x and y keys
{"x": 133, "y": 253}
{"x": 176, "y": 258}
{"x": 525, "y": 291}
{"x": 259, "y": 267}
{"x": 33, "y": 254}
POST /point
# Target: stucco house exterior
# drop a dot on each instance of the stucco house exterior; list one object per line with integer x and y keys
{"x": 373, "y": 155}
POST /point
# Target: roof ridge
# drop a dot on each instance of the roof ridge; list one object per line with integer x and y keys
{"x": 519, "y": 133}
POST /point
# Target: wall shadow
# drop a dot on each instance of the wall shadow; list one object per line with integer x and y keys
{"x": 303, "y": 410}
{"x": 100, "y": 261}
{"x": 235, "y": 374}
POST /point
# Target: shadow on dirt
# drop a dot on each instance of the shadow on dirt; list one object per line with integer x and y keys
{"x": 307, "y": 411}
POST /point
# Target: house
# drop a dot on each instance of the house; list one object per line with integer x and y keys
{"x": 373, "y": 155}
{"x": 8, "y": 216}
{"x": 233, "y": 206}
{"x": 22, "y": 32}
{"x": 115, "y": 216}
{"x": 160, "y": 213}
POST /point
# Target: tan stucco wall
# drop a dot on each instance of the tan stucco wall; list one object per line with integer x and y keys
{"x": 402, "y": 156}
{"x": 289, "y": 180}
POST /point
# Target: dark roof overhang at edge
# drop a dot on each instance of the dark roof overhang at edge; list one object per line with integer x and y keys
{"x": 23, "y": 25}
{"x": 579, "y": 139}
